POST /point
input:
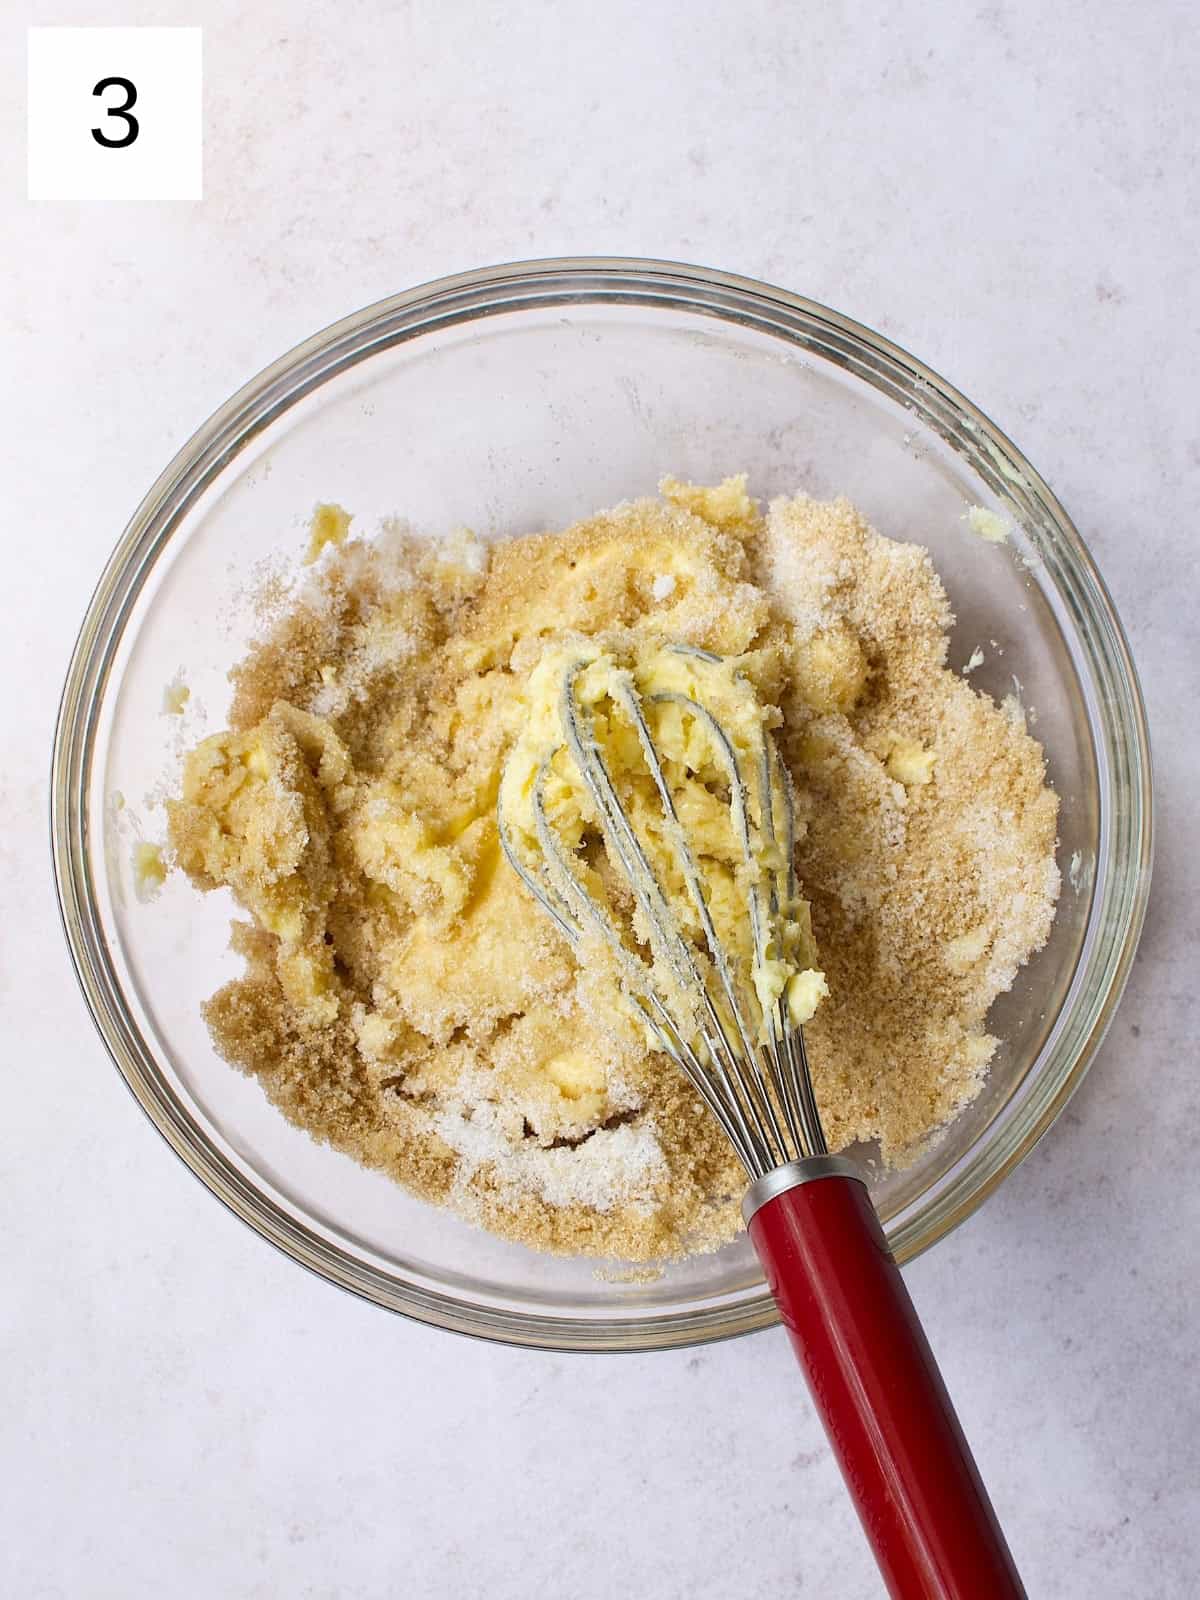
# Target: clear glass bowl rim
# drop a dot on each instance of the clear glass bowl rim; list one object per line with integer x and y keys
{"x": 1126, "y": 809}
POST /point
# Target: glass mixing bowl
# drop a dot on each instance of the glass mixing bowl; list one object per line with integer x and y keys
{"x": 518, "y": 398}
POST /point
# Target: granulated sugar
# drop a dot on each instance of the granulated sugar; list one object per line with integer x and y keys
{"x": 611, "y": 1167}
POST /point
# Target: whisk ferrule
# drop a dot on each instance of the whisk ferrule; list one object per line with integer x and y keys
{"x": 790, "y": 1176}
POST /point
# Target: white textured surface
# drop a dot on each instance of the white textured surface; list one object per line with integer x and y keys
{"x": 1010, "y": 191}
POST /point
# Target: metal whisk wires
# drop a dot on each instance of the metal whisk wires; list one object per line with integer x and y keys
{"x": 755, "y": 1080}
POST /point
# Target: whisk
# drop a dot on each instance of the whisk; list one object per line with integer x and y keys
{"x": 728, "y": 1012}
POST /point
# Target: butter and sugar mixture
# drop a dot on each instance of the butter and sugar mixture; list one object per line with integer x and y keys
{"x": 405, "y": 998}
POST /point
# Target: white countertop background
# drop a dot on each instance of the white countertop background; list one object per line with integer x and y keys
{"x": 1012, "y": 191}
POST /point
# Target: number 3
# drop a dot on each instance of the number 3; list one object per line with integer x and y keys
{"x": 122, "y": 111}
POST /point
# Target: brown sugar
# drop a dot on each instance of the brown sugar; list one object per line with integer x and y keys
{"x": 406, "y": 1000}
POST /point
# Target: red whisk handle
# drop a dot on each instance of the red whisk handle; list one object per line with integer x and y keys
{"x": 876, "y": 1385}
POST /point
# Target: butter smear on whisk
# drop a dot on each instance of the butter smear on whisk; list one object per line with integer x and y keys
{"x": 645, "y": 805}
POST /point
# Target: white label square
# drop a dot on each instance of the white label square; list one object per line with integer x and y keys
{"x": 115, "y": 114}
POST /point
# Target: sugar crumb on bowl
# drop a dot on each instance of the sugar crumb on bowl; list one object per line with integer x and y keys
{"x": 987, "y": 525}
{"x": 328, "y": 525}
{"x": 404, "y": 998}
{"x": 149, "y": 869}
{"x": 176, "y": 695}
